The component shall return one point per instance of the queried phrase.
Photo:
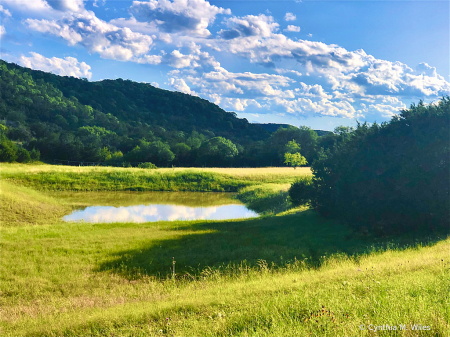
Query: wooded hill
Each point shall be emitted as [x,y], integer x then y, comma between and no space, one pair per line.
[120,120]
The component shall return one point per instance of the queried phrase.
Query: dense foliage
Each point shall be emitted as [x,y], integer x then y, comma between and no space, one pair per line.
[392,177]
[122,122]
[301,191]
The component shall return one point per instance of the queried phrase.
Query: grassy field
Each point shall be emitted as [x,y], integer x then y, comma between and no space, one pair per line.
[293,273]
[63,178]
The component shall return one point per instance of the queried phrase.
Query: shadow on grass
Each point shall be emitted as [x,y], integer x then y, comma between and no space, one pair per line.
[274,241]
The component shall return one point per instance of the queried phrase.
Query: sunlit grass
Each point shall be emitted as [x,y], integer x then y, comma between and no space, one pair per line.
[53,177]
[116,279]
[269,276]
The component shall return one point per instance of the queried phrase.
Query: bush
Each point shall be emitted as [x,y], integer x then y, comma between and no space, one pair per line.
[23,156]
[301,192]
[35,154]
[147,166]
[390,178]
[7,150]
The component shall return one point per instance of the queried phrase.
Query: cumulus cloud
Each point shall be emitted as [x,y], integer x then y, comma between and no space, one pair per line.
[188,16]
[67,5]
[322,107]
[425,69]
[339,80]
[395,78]
[288,71]
[194,58]
[150,59]
[179,85]
[245,85]
[315,90]
[68,66]
[249,26]
[290,17]
[96,35]
[38,6]
[256,38]
[2,31]
[292,28]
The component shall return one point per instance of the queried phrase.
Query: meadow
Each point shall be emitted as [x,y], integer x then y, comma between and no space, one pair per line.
[289,272]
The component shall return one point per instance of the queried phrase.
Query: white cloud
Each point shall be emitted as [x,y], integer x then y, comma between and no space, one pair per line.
[427,70]
[315,90]
[246,85]
[291,28]
[385,110]
[180,85]
[194,58]
[395,78]
[322,107]
[150,59]
[96,35]
[2,31]
[288,71]
[188,16]
[38,6]
[67,5]
[4,11]
[249,26]
[290,17]
[69,66]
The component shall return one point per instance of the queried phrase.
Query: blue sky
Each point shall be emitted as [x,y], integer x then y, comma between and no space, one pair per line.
[315,63]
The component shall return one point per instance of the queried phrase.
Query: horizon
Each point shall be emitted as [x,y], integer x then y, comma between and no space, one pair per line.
[297,63]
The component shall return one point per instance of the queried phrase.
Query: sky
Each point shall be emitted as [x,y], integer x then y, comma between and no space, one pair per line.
[316,63]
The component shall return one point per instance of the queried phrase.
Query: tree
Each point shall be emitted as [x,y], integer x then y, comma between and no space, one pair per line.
[389,178]
[217,151]
[294,159]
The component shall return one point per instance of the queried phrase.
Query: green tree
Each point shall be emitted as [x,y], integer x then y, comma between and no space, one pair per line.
[389,178]
[294,159]
[217,151]
[7,150]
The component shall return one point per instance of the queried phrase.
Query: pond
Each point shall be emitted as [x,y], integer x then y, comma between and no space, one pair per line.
[98,207]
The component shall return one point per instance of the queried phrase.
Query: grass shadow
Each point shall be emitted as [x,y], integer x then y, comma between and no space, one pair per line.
[233,246]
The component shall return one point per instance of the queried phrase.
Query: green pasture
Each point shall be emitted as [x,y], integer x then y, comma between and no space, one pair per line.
[289,273]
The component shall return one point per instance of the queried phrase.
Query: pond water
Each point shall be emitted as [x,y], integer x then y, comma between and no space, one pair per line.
[98,207]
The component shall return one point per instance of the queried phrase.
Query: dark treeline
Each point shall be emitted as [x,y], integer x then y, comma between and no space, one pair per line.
[388,178]
[117,121]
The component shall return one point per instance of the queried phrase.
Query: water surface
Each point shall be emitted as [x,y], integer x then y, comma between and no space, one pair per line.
[153,206]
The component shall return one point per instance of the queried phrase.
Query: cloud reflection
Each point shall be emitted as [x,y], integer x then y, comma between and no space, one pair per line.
[151,213]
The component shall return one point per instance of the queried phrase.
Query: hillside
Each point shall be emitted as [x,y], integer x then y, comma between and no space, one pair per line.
[128,101]
[122,122]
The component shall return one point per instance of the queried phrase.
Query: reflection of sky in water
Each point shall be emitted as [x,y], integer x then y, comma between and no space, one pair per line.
[145,213]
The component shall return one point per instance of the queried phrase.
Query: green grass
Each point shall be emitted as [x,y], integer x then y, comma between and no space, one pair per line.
[24,206]
[268,198]
[71,178]
[255,277]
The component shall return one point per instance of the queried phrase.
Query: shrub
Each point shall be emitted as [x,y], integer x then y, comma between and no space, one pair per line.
[35,154]
[390,178]
[301,192]
[7,150]
[23,156]
[147,166]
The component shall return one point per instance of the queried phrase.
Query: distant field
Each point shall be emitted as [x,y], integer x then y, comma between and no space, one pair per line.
[291,274]
[76,178]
